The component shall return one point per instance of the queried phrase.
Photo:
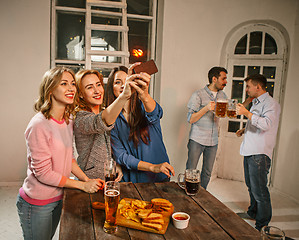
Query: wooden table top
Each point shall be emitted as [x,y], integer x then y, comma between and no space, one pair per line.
[209,218]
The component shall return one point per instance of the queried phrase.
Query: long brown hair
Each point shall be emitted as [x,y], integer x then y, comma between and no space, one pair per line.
[137,121]
[51,80]
[81,104]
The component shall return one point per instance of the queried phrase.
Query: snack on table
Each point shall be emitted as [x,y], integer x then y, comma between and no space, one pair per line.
[155,226]
[149,214]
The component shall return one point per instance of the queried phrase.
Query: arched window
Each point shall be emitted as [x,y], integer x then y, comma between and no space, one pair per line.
[255,48]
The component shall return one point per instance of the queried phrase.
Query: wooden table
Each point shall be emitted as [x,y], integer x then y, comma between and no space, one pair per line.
[210,219]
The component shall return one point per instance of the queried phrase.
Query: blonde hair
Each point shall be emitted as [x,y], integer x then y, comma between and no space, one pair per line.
[50,81]
[81,103]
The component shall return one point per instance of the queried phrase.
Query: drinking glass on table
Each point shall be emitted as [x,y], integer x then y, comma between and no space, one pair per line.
[110,170]
[272,233]
[220,109]
[112,193]
[190,182]
[231,111]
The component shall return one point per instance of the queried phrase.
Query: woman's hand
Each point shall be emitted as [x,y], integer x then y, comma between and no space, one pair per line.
[141,85]
[119,173]
[130,69]
[92,185]
[165,168]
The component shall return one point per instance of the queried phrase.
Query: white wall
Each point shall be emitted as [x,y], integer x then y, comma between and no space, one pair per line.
[286,170]
[193,37]
[25,56]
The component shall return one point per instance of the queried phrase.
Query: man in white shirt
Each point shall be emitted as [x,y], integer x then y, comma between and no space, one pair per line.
[257,146]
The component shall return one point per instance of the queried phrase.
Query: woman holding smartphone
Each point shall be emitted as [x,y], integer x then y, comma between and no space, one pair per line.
[49,137]
[137,141]
[93,122]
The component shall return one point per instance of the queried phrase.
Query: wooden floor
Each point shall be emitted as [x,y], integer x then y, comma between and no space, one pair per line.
[233,194]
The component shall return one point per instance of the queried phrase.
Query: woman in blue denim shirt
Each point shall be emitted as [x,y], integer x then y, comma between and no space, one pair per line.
[136,138]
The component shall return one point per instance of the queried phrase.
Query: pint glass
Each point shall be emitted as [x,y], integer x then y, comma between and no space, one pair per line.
[110,170]
[272,233]
[191,181]
[112,193]
[221,106]
[231,111]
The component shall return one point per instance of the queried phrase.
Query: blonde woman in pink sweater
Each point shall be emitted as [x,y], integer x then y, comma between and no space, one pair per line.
[49,138]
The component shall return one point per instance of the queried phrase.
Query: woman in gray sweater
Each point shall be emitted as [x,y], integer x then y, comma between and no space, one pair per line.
[93,123]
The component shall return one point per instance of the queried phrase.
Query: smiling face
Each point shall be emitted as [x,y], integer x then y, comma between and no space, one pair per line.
[118,83]
[65,92]
[92,90]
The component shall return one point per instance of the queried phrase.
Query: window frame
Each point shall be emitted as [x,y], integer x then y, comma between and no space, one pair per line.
[87,62]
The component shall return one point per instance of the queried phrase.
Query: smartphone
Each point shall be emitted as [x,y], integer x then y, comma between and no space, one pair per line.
[149,67]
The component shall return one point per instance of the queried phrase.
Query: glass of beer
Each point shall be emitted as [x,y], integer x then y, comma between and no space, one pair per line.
[221,106]
[112,193]
[271,233]
[110,170]
[231,111]
[190,182]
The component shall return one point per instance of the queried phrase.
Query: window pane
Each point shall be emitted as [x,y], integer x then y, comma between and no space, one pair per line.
[71,3]
[139,39]
[237,90]
[253,70]
[255,43]
[241,46]
[233,126]
[270,45]
[139,7]
[70,36]
[116,21]
[244,124]
[239,71]
[269,72]
[107,41]
[106,9]
[270,88]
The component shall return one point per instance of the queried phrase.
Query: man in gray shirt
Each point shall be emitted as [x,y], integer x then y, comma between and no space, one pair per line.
[203,137]
[257,146]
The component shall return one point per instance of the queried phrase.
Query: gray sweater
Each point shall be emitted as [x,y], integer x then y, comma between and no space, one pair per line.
[92,138]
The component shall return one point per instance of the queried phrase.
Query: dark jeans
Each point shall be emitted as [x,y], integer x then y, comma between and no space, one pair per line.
[256,169]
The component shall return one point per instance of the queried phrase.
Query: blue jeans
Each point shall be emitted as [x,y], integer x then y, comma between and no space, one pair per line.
[209,154]
[38,222]
[256,169]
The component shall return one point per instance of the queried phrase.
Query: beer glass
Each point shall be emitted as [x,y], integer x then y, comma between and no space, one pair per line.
[231,111]
[272,233]
[112,193]
[221,106]
[110,170]
[190,182]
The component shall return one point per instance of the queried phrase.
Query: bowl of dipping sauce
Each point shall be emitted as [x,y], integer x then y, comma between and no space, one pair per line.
[180,220]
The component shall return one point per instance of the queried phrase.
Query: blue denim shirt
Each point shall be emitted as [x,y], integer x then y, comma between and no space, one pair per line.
[125,153]
[205,130]
[261,130]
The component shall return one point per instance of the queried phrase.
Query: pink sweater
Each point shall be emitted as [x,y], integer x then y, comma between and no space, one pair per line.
[49,154]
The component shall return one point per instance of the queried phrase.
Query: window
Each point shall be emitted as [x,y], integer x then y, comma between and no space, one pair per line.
[102,34]
[254,49]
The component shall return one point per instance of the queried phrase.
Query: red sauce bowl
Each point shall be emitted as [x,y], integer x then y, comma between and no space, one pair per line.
[180,220]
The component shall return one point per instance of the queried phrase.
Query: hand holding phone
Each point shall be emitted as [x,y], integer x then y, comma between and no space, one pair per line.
[149,67]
